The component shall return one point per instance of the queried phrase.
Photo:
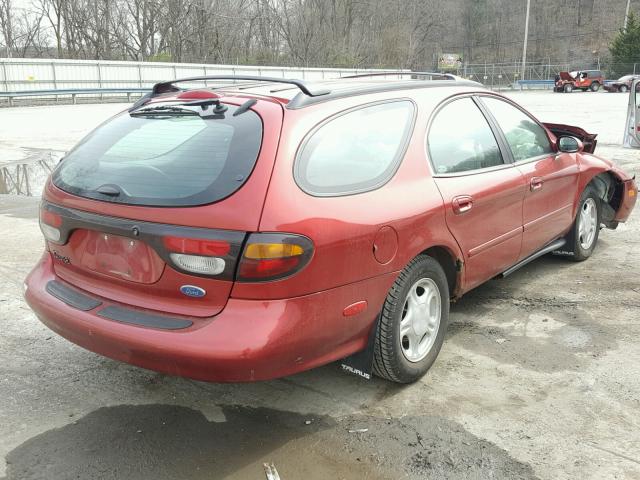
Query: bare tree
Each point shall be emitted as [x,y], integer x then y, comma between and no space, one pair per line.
[6,25]
[354,33]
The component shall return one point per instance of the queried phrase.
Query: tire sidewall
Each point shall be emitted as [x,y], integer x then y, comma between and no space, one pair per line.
[581,253]
[426,267]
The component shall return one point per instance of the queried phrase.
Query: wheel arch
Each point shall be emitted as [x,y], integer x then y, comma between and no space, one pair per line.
[452,266]
[610,190]
[608,181]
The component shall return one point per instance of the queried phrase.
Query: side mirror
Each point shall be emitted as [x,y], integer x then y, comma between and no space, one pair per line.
[570,145]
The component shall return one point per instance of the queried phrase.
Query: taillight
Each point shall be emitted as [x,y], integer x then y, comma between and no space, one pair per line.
[201,256]
[197,246]
[50,225]
[270,256]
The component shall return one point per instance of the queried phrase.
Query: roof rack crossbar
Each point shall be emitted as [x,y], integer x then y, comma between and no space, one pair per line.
[165,87]
[448,76]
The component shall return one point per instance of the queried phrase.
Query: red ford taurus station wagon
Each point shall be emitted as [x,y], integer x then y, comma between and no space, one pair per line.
[250,228]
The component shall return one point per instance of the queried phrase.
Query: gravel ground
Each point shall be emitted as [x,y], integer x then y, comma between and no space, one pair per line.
[538,376]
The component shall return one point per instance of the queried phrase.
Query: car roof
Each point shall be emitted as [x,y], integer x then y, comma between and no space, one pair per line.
[343,88]
[296,94]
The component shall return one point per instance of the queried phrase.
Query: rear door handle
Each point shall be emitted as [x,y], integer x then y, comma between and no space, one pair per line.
[536,183]
[462,204]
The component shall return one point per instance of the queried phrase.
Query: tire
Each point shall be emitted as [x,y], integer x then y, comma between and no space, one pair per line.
[404,359]
[623,89]
[582,239]
[595,86]
[568,88]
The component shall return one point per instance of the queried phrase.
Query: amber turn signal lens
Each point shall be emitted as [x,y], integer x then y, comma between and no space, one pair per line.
[259,251]
[271,256]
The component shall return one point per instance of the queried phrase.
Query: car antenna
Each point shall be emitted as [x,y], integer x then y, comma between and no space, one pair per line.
[245,106]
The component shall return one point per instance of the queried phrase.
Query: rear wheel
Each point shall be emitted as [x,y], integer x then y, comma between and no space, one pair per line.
[568,88]
[413,322]
[595,86]
[623,88]
[582,239]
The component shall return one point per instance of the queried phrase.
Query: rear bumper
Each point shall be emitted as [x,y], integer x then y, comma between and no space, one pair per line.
[249,340]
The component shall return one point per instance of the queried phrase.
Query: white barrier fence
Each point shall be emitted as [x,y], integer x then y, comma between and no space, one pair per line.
[20,74]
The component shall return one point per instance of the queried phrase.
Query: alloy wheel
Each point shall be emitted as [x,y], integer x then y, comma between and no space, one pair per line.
[588,223]
[420,319]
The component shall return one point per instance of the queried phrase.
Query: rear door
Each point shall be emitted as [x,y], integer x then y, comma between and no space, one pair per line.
[483,193]
[551,178]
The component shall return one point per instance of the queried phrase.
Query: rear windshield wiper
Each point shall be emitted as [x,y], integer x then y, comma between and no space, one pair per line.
[163,110]
[111,190]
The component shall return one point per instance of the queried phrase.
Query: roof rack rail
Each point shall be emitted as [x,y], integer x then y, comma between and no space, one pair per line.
[166,87]
[448,76]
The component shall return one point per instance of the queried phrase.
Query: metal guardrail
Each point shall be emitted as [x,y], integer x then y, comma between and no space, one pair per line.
[542,83]
[73,92]
[18,74]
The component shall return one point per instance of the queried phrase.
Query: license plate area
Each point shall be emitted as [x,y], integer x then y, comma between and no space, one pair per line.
[117,256]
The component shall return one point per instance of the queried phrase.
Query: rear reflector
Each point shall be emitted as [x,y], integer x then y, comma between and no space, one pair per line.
[199,264]
[271,256]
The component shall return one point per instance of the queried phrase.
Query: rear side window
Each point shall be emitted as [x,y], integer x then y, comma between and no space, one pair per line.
[164,159]
[525,137]
[461,140]
[355,151]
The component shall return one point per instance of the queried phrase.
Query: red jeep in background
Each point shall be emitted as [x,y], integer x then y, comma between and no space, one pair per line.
[583,80]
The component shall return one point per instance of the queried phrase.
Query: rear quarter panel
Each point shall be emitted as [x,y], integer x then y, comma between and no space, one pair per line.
[343,228]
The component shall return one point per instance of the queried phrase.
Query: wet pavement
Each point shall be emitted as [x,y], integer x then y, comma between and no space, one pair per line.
[538,376]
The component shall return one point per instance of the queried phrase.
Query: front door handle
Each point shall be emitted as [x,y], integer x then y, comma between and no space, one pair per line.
[462,204]
[536,183]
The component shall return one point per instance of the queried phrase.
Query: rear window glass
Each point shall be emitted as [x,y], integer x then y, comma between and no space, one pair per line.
[355,151]
[164,160]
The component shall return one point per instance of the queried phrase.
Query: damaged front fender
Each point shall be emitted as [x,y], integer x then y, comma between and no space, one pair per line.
[615,187]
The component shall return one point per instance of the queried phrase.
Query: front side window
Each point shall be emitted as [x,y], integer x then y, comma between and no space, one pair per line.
[461,140]
[525,137]
[356,151]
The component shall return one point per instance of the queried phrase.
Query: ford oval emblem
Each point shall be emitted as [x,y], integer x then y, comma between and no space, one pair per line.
[193,291]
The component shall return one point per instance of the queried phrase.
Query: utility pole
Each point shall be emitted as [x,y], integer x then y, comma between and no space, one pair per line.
[526,38]
[626,15]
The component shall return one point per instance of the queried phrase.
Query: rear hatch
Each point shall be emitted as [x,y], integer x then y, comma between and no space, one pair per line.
[153,207]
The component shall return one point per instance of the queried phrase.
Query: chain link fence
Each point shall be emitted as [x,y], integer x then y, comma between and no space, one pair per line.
[506,75]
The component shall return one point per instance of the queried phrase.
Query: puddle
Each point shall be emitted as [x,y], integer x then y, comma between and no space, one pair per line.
[28,175]
[165,442]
